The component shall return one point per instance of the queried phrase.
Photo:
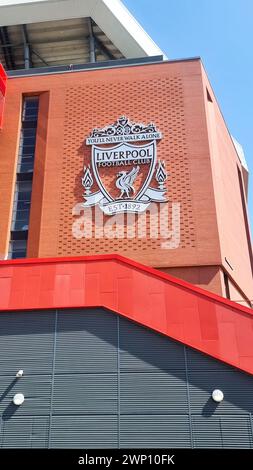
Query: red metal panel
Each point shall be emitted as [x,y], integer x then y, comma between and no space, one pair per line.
[3,80]
[197,318]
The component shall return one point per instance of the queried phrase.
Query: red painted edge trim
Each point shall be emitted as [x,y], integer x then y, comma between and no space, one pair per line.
[135,264]
[3,80]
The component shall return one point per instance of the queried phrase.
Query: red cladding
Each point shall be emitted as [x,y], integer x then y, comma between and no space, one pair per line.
[3,80]
[186,313]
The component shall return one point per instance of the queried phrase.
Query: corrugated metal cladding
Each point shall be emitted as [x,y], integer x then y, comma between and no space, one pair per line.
[93,379]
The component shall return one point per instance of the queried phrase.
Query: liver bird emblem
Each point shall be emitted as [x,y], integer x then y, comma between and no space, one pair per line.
[125,181]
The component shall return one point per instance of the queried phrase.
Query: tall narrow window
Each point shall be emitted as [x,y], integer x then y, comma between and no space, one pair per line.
[23,189]
[226,283]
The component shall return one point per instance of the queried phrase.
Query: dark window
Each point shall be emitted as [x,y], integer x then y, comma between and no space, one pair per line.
[23,189]
[208,96]
[226,282]
[17,249]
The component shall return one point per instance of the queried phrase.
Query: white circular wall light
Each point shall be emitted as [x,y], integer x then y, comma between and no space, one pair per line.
[18,399]
[217,395]
[20,373]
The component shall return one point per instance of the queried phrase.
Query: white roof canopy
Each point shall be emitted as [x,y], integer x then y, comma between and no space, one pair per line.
[111,17]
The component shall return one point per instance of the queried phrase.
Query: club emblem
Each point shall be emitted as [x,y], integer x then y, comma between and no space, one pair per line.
[124,168]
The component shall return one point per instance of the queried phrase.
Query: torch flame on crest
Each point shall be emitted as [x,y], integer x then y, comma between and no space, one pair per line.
[87,180]
[161,174]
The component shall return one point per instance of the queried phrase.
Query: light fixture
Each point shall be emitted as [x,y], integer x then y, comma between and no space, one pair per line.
[18,399]
[217,395]
[20,373]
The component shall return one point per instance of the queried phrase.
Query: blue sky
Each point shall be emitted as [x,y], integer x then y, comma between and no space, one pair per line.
[221,33]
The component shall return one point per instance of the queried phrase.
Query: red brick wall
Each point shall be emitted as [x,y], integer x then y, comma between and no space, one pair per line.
[234,245]
[143,94]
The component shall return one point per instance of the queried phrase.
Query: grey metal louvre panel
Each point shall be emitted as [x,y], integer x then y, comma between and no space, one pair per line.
[25,432]
[236,386]
[85,394]
[143,349]
[155,431]
[222,432]
[37,393]
[153,393]
[198,361]
[26,342]
[86,432]
[86,341]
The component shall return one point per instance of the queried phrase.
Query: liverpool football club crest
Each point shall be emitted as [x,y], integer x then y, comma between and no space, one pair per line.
[124,174]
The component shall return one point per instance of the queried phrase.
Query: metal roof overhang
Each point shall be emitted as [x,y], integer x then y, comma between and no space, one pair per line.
[186,313]
[54,43]
[111,16]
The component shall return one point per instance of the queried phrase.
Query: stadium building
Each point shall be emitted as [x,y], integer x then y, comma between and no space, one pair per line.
[126,265]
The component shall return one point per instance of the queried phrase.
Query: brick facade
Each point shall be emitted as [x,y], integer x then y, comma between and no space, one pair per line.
[173,96]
